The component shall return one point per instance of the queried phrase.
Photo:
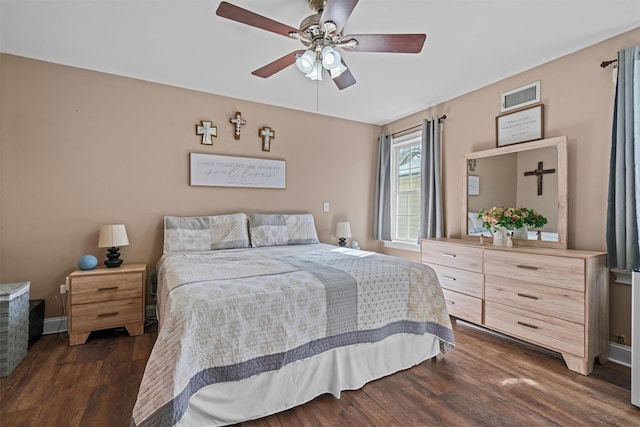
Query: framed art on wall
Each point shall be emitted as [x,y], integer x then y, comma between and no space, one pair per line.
[523,125]
[228,171]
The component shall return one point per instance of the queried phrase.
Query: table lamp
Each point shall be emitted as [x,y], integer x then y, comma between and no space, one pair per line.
[111,237]
[343,230]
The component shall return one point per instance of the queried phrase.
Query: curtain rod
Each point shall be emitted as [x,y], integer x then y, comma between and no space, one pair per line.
[605,64]
[443,117]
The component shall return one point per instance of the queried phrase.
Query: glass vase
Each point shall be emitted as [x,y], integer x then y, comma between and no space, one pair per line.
[521,233]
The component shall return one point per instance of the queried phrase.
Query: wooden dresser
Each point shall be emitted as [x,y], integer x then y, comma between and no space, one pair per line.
[554,298]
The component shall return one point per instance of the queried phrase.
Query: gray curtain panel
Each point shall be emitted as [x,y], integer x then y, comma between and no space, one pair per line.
[431,181]
[623,208]
[382,213]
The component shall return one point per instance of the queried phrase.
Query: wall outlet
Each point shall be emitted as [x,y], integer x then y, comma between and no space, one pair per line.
[63,288]
[325,207]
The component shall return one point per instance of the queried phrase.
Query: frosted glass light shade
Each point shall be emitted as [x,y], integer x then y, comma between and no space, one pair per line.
[339,69]
[330,58]
[112,236]
[306,61]
[343,229]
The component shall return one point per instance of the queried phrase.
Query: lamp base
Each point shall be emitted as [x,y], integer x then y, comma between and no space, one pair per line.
[113,258]
[342,241]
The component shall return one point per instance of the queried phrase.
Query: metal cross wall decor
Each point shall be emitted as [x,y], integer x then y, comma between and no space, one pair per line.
[539,173]
[238,121]
[267,134]
[207,131]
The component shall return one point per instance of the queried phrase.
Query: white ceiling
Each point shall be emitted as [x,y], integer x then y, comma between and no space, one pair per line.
[470,44]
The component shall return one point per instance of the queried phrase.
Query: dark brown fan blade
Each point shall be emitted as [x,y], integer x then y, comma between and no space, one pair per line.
[235,13]
[277,65]
[345,79]
[398,43]
[338,11]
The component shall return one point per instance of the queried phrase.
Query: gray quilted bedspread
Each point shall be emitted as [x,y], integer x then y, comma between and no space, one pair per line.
[232,314]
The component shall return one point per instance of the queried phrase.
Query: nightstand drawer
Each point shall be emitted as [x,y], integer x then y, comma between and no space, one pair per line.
[452,255]
[555,302]
[463,281]
[553,333]
[91,289]
[103,315]
[463,306]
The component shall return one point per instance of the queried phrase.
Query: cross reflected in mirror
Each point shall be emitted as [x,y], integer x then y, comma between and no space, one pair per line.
[539,173]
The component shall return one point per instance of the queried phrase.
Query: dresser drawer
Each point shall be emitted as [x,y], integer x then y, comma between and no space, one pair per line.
[451,255]
[556,334]
[463,306]
[90,317]
[555,302]
[548,270]
[463,281]
[98,288]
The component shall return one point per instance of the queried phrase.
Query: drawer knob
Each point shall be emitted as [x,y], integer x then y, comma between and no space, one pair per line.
[527,267]
[115,313]
[450,302]
[527,325]
[448,255]
[527,296]
[110,288]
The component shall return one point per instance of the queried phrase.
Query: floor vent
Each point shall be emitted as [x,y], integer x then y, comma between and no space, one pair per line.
[525,95]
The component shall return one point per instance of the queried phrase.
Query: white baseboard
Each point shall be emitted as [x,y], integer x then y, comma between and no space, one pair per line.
[54,325]
[620,354]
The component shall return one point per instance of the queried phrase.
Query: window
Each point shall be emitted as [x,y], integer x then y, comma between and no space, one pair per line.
[406,153]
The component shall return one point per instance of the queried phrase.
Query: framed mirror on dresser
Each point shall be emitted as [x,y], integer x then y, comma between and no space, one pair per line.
[532,175]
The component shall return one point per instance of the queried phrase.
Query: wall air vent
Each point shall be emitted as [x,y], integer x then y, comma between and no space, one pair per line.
[516,98]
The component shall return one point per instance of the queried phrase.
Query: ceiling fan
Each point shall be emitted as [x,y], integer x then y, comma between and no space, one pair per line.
[321,33]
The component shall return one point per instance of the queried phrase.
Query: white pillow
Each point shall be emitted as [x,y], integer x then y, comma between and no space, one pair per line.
[282,229]
[204,233]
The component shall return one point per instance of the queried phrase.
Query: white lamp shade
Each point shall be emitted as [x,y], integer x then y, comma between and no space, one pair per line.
[335,72]
[343,229]
[316,72]
[330,58]
[306,61]
[112,236]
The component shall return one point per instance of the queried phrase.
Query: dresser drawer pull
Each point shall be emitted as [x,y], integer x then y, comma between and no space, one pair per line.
[527,267]
[448,277]
[115,313]
[110,288]
[450,302]
[527,325]
[449,255]
[527,296]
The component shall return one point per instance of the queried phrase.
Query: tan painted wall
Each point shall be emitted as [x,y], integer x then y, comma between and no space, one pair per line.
[82,149]
[578,97]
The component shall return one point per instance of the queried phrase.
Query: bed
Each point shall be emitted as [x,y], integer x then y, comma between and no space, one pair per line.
[256,316]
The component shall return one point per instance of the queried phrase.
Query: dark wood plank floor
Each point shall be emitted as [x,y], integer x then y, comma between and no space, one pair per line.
[484,381]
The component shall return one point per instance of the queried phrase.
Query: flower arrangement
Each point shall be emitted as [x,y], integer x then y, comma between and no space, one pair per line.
[511,218]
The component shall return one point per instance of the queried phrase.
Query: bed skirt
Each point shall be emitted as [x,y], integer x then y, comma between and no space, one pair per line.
[343,368]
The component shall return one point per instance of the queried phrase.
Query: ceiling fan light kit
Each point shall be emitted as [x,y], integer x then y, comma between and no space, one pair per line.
[321,33]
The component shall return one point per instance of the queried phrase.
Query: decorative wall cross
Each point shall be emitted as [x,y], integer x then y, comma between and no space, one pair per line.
[267,134]
[539,173]
[207,131]
[238,121]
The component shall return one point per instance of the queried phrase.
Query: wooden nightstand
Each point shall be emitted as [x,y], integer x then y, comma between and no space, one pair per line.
[105,298]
